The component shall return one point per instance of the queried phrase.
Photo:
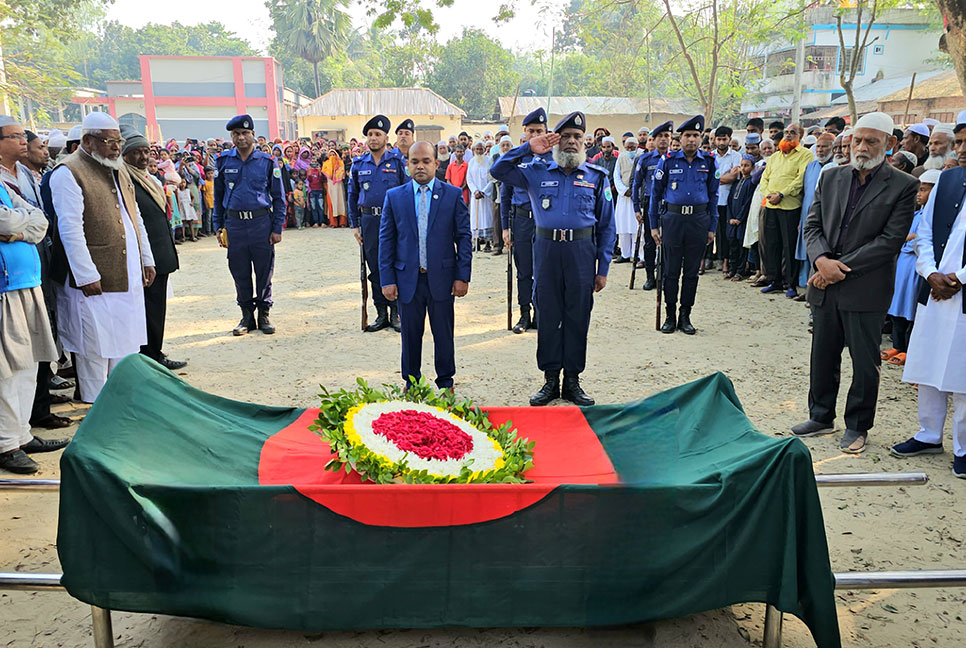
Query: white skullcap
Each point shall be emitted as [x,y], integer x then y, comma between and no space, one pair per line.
[943,128]
[847,133]
[506,138]
[909,156]
[877,121]
[929,121]
[442,143]
[99,121]
[930,177]
[643,128]
[609,139]
[485,133]
[961,117]
[502,128]
[920,129]
[809,139]
[56,139]
[74,134]
[7,120]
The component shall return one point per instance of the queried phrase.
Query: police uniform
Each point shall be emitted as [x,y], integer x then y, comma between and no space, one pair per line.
[250,207]
[406,124]
[573,217]
[517,216]
[368,184]
[684,199]
[641,198]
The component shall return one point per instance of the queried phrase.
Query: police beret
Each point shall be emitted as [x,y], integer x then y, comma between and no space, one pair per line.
[696,123]
[666,127]
[723,131]
[538,116]
[241,121]
[379,121]
[575,119]
[406,124]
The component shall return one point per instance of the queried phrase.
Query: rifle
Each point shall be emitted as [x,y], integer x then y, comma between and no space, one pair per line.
[660,283]
[635,257]
[365,286]
[509,274]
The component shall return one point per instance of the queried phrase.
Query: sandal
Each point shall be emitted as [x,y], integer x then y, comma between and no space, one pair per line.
[898,359]
[59,399]
[889,354]
[52,422]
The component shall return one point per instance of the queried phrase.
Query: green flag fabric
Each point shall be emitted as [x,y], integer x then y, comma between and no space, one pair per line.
[175,501]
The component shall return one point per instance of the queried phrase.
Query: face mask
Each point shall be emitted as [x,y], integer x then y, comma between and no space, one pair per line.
[632,154]
[889,152]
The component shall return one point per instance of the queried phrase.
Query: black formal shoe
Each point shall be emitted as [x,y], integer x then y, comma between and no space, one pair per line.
[684,321]
[264,325]
[382,320]
[550,390]
[37,444]
[524,323]
[572,391]
[621,259]
[18,462]
[394,318]
[670,322]
[651,283]
[497,251]
[246,324]
[51,422]
[173,365]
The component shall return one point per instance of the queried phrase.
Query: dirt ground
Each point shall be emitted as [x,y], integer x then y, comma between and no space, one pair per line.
[761,343]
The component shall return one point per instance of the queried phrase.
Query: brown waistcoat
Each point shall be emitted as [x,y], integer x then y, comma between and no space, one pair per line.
[103,227]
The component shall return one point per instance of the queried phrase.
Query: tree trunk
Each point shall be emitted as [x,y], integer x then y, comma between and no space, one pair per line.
[318,86]
[953,42]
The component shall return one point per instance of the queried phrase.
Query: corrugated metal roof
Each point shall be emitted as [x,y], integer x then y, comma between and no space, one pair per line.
[885,87]
[945,84]
[839,110]
[373,101]
[598,105]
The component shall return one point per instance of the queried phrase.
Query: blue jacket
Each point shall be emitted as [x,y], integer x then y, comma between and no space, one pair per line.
[249,185]
[449,243]
[19,261]
[679,182]
[369,182]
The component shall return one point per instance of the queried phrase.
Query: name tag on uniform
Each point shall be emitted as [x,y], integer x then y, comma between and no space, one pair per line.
[388,169]
[702,169]
[231,170]
[651,167]
[584,183]
[675,171]
[365,172]
[549,183]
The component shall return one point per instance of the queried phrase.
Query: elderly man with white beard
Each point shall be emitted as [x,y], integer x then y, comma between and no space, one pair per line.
[443,154]
[104,247]
[480,185]
[941,145]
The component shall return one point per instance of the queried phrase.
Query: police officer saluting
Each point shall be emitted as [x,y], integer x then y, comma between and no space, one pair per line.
[372,175]
[641,192]
[684,199]
[515,212]
[248,215]
[573,215]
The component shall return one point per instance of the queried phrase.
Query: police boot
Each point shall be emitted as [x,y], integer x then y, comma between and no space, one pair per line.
[382,319]
[671,322]
[650,284]
[264,325]
[549,391]
[573,392]
[684,321]
[524,322]
[246,324]
[394,318]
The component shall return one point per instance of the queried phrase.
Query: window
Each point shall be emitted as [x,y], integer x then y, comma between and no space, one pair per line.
[845,62]
[820,58]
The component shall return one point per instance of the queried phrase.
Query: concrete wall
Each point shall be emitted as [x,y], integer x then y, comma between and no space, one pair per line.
[349,126]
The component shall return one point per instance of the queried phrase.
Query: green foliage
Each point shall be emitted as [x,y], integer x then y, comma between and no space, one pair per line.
[518,453]
[472,71]
[312,30]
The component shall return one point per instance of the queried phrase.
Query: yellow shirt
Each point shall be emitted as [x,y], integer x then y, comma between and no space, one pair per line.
[784,174]
[208,191]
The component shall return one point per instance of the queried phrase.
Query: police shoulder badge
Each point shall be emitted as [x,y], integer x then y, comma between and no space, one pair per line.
[277,172]
[659,174]
[717,174]
[607,194]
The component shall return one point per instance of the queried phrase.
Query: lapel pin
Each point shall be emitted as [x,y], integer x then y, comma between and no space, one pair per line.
[435,196]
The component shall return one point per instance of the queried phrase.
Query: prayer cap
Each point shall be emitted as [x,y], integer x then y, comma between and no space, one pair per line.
[644,129]
[241,121]
[628,134]
[538,116]
[920,129]
[609,139]
[943,128]
[696,123]
[752,138]
[132,139]
[406,124]
[379,122]
[7,120]
[56,139]
[99,121]
[876,121]
[666,127]
[909,156]
[573,120]
[929,121]
[750,158]
[442,143]
[502,128]
[930,177]
[722,131]
[74,134]
[809,140]
[960,121]
[506,138]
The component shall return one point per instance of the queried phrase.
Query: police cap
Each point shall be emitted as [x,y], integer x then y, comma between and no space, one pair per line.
[538,116]
[575,119]
[723,131]
[241,121]
[380,122]
[666,127]
[696,123]
[406,124]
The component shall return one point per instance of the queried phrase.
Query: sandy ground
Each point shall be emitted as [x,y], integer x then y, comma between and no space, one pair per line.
[760,342]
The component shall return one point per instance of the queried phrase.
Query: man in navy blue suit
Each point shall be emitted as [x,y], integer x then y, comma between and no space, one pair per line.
[425,250]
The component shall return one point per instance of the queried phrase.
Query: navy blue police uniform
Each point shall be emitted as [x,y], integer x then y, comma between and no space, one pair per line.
[406,124]
[641,198]
[684,199]
[368,184]
[517,216]
[250,206]
[573,218]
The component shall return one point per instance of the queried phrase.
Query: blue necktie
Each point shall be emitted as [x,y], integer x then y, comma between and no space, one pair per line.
[422,222]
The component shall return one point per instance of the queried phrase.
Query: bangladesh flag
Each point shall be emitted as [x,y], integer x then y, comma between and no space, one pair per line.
[179,502]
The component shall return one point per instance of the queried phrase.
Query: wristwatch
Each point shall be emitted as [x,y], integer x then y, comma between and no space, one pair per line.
[781,195]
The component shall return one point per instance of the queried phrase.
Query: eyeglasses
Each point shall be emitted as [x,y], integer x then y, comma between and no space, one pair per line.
[17,136]
[110,142]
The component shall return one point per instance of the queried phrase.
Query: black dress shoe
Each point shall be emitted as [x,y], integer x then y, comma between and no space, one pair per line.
[173,365]
[44,445]
[52,422]
[524,323]
[621,260]
[670,322]
[394,318]
[684,321]
[246,323]
[18,462]
[651,283]
[264,325]
[382,320]
[550,390]
[573,392]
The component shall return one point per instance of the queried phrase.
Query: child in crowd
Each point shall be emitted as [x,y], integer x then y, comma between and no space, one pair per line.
[188,216]
[208,199]
[298,197]
[171,182]
[903,307]
[739,202]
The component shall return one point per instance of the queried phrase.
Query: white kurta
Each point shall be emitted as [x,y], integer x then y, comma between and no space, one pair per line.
[624,217]
[937,349]
[481,209]
[109,325]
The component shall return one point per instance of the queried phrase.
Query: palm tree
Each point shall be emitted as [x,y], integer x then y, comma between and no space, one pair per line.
[311,29]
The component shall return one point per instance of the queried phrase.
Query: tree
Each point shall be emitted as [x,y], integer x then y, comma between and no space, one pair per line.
[312,29]
[953,40]
[849,67]
[472,71]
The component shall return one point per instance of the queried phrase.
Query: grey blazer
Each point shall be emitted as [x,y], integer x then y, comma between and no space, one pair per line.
[877,231]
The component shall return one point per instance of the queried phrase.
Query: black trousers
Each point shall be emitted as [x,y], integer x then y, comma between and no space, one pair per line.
[41,407]
[781,229]
[650,247]
[722,249]
[370,242]
[835,329]
[155,310]
[901,332]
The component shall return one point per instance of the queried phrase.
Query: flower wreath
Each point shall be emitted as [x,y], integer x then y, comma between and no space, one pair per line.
[418,436]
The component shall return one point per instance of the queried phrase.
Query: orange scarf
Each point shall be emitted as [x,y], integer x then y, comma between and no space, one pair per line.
[334,168]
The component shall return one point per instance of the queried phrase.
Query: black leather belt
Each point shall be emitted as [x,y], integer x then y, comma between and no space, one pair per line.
[248,215]
[686,210]
[371,211]
[563,235]
[523,210]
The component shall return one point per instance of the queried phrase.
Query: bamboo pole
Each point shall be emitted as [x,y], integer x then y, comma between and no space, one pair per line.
[912,86]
